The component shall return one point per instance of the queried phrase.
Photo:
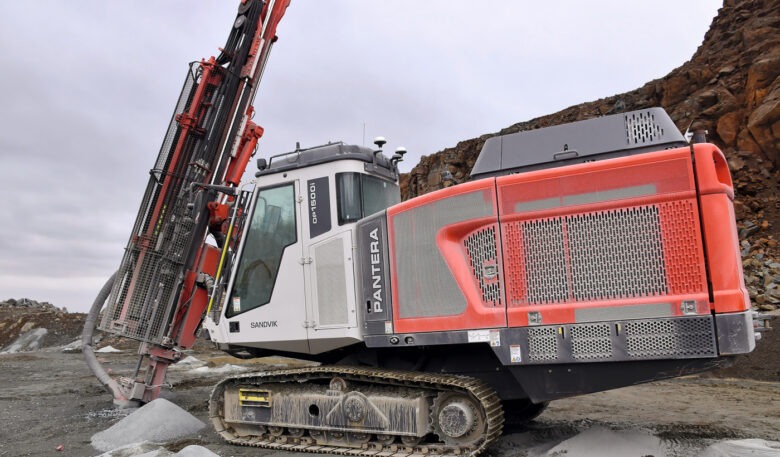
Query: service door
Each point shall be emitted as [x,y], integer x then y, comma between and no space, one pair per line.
[332,286]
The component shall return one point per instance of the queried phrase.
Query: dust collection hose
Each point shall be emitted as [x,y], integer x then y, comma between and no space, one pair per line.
[113,387]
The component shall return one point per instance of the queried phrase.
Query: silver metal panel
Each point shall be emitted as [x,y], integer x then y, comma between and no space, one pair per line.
[609,195]
[615,313]
[538,205]
[587,198]
[331,283]
[426,287]
[606,137]
[735,333]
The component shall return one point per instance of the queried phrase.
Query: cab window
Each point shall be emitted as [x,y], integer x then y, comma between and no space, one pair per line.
[271,229]
[360,195]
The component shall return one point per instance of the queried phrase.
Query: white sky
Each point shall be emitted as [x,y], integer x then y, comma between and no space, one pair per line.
[89,88]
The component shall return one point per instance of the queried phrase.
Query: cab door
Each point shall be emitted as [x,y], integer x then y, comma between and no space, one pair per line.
[267,303]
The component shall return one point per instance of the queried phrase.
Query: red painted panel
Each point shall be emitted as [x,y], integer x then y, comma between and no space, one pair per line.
[450,239]
[569,231]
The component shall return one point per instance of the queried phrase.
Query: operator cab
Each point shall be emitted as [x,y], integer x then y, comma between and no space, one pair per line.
[291,285]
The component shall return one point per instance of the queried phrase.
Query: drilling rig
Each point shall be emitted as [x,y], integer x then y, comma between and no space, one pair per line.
[578,258]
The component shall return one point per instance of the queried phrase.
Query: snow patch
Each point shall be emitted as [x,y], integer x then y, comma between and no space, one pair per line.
[602,442]
[72,348]
[159,421]
[224,369]
[143,449]
[195,451]
[108,349]
[187,363]
[740,448]
[29,341]
[147,449]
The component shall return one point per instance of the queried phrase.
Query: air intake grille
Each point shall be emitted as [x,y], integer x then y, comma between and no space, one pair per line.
[633,252]
[331,283]
[616,254]
[682,247]
[691,337]
[641,128]
[542,344]
[483,259]
[545,264]
[591,341]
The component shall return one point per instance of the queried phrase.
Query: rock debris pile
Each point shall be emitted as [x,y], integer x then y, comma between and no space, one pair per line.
[36,324]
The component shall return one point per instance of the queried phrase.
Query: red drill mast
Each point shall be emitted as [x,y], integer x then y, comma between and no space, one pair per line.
[160,292]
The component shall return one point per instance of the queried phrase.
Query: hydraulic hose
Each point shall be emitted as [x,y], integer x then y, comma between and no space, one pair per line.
[113,387]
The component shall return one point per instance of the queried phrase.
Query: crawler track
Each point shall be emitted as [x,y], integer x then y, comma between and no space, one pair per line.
[301,441]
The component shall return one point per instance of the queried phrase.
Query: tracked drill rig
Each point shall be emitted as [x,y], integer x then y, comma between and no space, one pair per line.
[578,258]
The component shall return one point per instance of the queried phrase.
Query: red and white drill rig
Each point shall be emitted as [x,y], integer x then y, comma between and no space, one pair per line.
[578,258]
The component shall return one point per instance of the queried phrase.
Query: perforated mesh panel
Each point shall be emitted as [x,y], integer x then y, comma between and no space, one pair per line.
[545,261]
[331,283]
[641,127]
[639,251]
[646,339]
[591,341]
[685,270]
[425,284]
[514,253]
[690,337]
[482,253]
[616,254]
[140,303]
[542,344]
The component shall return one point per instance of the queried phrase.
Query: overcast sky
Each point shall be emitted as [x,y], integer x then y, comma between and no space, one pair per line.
[88,88]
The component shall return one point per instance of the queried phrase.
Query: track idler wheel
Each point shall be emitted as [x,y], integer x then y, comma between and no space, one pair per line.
[458,419]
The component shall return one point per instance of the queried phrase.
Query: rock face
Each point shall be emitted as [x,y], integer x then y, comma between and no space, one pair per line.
[731,89]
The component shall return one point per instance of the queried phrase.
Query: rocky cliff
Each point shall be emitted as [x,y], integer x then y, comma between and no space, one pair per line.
[731,88]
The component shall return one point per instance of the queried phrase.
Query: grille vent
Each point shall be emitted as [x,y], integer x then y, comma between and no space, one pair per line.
[682,247]
[542,344]
[693,337]
[646,339]
[481,248]
[600,255]
[641,128]
[591,342]
[545,264]
[616,254]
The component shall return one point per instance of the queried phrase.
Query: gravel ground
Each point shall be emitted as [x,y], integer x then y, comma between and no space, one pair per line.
[48,399]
